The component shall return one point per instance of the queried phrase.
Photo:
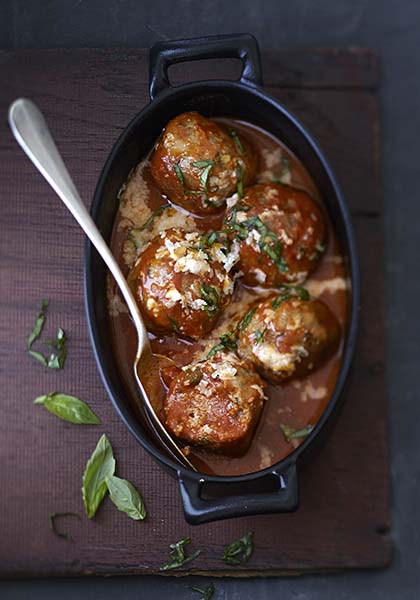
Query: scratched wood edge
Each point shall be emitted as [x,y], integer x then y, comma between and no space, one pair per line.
[217,573]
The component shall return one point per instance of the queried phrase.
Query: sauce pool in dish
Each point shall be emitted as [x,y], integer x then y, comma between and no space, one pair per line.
[294,405]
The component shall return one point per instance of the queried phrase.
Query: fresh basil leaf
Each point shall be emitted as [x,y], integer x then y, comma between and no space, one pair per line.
[126,498]
[52,520]
[177,554]
[206,593]
[290,434]
[239,551]
[39,324]
[100,465]
[68,408]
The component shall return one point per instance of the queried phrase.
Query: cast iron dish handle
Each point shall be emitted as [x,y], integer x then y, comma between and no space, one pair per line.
[202,510]
[165,54]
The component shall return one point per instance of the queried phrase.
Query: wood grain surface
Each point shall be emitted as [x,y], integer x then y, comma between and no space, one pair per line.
[88,96]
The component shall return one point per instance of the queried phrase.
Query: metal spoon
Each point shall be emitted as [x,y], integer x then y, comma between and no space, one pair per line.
[32,134]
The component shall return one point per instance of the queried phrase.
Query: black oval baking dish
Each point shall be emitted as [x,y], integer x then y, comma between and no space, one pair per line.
[275,489]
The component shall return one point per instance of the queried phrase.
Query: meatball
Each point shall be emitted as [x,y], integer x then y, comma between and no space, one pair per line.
[281,232]
[181,281]
[198,163]
[215,403]
[288,337]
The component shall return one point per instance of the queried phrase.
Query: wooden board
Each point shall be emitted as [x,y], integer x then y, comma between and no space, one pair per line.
[88,96]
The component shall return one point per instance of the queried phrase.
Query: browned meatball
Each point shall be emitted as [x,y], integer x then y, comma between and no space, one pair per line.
[215,403]
[288,337]
[181,282]
[281,232]
[198,163]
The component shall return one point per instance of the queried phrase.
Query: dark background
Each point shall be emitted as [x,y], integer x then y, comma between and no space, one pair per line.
[393,28]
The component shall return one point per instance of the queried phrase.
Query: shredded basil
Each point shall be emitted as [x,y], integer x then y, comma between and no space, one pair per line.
[207,166]
[290,434]
[52,517]
[268,242]
[210,295]
[240,179]
[179,174]
[174,325]
[58,356]
[259,335]
[206,593]
[243,323]
[234,135]
[290,291]
[177,555]
[156,213]
[239,551]
[229,340]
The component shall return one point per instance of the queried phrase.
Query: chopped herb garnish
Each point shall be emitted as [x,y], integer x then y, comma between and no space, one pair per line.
[290,434]
[52,518]
[239,551]
[227,342]
[234,134]
[206,593]
[268,241]
[179,174]
[280,299]
[177,554]
[58,356]
[240,179]
[156,213]
[245,321]
[39,324]
[290,291]
[259,335]
[208,239]
[206,165]
[211,297]
[174,325]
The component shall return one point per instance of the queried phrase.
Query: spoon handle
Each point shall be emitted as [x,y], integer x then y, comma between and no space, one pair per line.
[32,134]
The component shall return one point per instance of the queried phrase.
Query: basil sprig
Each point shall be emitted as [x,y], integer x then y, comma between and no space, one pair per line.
[239,551]
[68,408]
[126,498]
[100,465]
[178,556]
